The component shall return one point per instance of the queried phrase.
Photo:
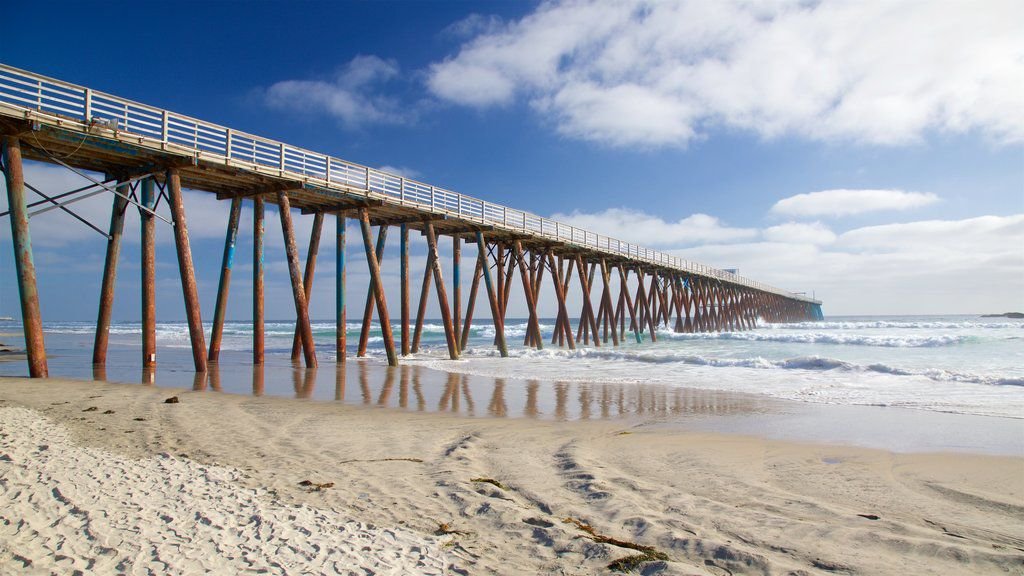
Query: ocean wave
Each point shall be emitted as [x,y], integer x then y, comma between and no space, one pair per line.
[807,363]
[517,330]
[824,338]
[886,324]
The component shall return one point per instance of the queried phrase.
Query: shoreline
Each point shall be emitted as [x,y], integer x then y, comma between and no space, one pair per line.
[710,502]
[423,388]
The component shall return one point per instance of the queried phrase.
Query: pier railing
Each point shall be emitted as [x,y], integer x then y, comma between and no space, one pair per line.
[36,97]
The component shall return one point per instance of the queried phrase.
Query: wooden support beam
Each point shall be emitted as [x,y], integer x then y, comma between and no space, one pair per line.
[31,318]
[188,277]
[563,316]
[652,298]
[686,296]
[563,329]
[474,288]
[533,323]
[442,295]
[698,304]
[307,278]
[587,318]
[343,206]
[457,288]
[500,272]
[677,301]
[403,254]
[148,257]
[340,320]
[558,335]
[621,315]
[378,286]
[645,306]
[537,267]
[268,187]
[666,310]
[412,219]
[624,292]
[588,310]
[298,290]
[258,214]
[99,348]
[227,260]
[364,332]
[507,290]
[421,310]
[528,334]
[492,297]
[607,301]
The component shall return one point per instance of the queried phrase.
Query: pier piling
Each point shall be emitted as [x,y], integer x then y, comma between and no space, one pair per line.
[258,215]
[99,349]
[188,276]
[298,290]
[377,285]
[148,225]
[307,278]
[31,318]
[219,310]
[340,326]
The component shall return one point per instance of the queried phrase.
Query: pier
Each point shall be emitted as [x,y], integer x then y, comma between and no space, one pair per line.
[149,155]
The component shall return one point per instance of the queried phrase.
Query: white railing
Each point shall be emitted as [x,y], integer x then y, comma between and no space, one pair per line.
[28,95]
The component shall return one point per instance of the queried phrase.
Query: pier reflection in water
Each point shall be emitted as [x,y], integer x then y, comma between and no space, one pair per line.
[413,387]
[416,388]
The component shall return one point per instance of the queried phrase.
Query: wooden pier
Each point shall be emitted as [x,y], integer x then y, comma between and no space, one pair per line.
[148,155]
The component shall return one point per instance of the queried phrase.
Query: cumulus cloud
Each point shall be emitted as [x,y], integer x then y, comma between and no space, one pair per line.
[648,230]
[662,73]
[353,96]
[843,202]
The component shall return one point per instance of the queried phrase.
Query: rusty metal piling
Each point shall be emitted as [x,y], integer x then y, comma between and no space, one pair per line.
[31,319]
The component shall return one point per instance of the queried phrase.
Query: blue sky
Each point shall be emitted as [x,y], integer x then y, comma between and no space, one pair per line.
[871,153]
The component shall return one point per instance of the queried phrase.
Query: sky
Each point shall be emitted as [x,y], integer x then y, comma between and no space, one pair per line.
[868,153]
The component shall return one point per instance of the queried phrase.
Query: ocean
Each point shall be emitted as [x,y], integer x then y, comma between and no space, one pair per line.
[958,364]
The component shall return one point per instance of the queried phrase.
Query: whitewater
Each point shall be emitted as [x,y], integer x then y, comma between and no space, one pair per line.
[960,364]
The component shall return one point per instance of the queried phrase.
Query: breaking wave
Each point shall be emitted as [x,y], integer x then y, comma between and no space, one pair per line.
[808,363]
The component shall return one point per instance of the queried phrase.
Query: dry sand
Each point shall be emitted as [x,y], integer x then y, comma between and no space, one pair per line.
[212,484]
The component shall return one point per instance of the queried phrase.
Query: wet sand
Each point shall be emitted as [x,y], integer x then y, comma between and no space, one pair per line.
[423,492]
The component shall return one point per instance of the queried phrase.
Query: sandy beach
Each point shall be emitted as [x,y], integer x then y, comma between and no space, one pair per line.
[108,478]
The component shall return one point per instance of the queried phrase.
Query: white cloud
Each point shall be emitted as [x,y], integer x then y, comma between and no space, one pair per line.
[351,96]
[982,236]
[842,202]
[924,267]
[931,267]
[403,171]
[647,230]
[659,73]
[800,233]
[473,25]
